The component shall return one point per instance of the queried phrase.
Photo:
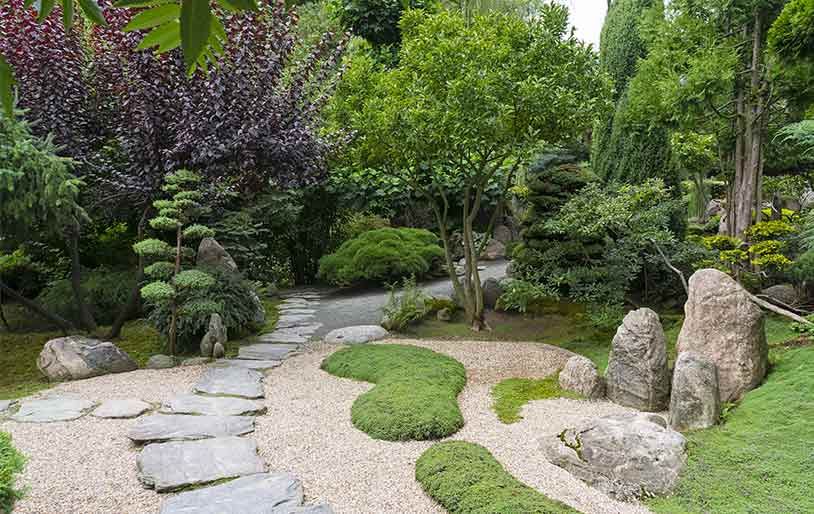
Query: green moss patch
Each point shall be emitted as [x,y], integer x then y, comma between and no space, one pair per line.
[11,464]
[512,394]
[760,459]
[416,393]
[465,479]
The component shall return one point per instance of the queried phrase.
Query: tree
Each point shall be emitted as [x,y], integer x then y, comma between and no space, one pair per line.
[470,99]
[38,196]
[175,215]
[695,156]
[792,35]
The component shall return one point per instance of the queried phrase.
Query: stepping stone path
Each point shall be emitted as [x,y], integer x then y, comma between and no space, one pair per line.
[182,427]
[208,406]
[119,409]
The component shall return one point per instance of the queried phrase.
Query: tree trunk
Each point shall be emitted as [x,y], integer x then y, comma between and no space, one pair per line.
[173,336]
[85,315]
[64,325]
[135,294]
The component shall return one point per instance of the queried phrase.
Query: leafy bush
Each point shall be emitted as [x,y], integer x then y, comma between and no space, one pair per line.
[520,295]
[383,255]
[416,391]
[409,306]
[229,295]
[375,20]
[12,463]
[105,291]
[466,479]
[357,223]
[22,273]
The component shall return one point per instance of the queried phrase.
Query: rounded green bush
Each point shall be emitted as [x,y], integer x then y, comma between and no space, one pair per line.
[383,255]
[466,479]
[416,391]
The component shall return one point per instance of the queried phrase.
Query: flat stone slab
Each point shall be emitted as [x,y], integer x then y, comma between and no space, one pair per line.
[304,509]
[212,406]
[250,364]
[6,405]
[173,465]
[297,311]
[52,409]
[119,409]
[282,337]
[196,361]
[267,351]
[181,427]
[296,320]
[263,493]
[355,335]
[231,381]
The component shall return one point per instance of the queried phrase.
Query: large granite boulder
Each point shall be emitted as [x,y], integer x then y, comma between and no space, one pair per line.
[785,293]
[160,361]
[581,376]
[492,290]
[694,401]
[212,255]
[722,323]
[627,457]
[494,250]
[637,374]
[76,357]
[215,336]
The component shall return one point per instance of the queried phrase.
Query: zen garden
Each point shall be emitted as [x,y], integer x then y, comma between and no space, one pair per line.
[406,257]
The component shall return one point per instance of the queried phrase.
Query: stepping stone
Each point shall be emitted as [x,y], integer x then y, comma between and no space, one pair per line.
[293,320]
[119,409]
[306,295]
[304,509]
[273,352]
[52,409]
[180,427]
[6,405]
[355,335]
[263,493]
[212,406]
[231,381]
[282,337]
[297,311]
[196,361]
[250,364]
[173,465]
[298,331]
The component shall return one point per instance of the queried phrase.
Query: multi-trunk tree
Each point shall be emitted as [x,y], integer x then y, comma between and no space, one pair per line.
[471,98]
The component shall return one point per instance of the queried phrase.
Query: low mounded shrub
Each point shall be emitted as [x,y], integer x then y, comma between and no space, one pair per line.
[231,296]
[416,393]
[405,308]
[356,224]
[105,291]
[384,255]
[466,479]
[12,463]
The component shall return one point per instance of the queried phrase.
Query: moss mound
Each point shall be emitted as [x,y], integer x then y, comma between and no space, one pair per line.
[384,255]
[512,394]
[465,479]
[416,391]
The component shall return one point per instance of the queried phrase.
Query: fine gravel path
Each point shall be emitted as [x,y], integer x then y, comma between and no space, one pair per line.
[339,308]
[89,466]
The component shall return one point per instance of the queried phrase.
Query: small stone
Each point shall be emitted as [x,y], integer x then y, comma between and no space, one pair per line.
[6,405]
[180,427]
[52,409]
[356,334]
[218,351]
[259,311]
[231,381]
[212,406]
[196,361]
[581,376]
[178,464]
[444,314]
[76,357]
[254,494]
[121,409]
[160,362]
[694,401]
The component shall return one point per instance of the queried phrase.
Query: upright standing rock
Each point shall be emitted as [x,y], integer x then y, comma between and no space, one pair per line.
[214,337]
[722,323]
[637,374]
[694,401]
[211,254]
[581,376]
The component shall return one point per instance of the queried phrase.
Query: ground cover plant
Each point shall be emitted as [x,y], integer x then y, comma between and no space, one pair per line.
[466,479]
[759,459]
[512,394]
[416,391]
[12,463]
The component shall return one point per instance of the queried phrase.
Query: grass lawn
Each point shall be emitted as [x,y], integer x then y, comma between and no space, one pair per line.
[512,394]
[761,460]
[466,479]
[416,393]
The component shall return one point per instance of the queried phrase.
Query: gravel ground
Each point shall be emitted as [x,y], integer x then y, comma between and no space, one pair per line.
[88,466]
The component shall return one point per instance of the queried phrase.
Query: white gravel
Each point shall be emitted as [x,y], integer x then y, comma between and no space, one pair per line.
[88,466]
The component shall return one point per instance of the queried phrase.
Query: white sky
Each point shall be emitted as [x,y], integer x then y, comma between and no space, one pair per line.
[587,16]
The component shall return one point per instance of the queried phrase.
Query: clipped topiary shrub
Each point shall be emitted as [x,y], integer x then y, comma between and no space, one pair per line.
[416,391]
[384,255]
[105,291]
[12,463]
[466,479]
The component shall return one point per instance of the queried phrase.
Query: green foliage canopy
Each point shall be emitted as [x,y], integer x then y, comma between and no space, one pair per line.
[792,34]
